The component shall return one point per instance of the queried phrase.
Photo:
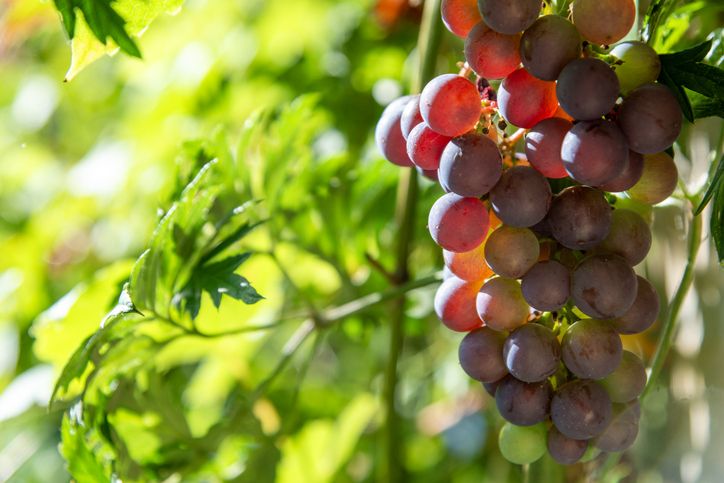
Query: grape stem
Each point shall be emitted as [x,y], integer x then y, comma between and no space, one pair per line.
[407,191]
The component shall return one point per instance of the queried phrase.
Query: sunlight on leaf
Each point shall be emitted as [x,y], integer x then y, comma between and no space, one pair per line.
[86,48]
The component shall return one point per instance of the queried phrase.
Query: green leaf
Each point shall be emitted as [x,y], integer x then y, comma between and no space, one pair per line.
[116,324]
[684,69]
[716,223]
[706,106]
[81,459]
[104,26]
[219,279]
[714,186]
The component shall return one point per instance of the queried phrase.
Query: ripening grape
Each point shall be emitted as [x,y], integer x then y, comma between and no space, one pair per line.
[511,251]
[481,355]
[522,445]
[627,382]
[548,45]
[642,313]
[587,89]
[470,165]
[580,217]
[524,100]
[468,266]
[460,16]
[546,286]
[425,146]
[627,178]
[490,54]
[650,118]
[521,197]
[458,224]
[509,16]
[411,116]
[500,304]
[455,304]
[532,353]
[523,403]
[622,431]
[603,22]
[641,64]
[603,286]
[388,134]
[543,146]
[591,349]
[450,104]
[430,174]
[563,449]
[581,409]
[629,237]
[594,152]
[658,179]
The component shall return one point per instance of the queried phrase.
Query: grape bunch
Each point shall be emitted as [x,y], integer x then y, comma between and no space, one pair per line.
[540,227]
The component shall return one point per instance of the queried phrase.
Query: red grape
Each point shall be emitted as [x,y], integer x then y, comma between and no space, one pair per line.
[490,54]
[458,224]
[524,100]
[450,104]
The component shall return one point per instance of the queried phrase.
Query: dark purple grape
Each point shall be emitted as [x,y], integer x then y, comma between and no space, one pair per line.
[481,355]
[650,118]
[532,353]
[629,237]
[627,382]
[458,224]
[591,349]
[627,178]
[603,286]
[548,45]
[622,430]
[470,165]
[580,217]
[594,152]
[522,403]
[450,104]
[510,251]
[509,16]
[642,313]
[547,286]
[411,116]
[543,146]
[563,449]
[587,89]
[521,197]
[425,147]
[388,134]
[581,409]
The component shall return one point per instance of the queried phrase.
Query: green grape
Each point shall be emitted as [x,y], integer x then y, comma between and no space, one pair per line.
[522,444]
[640,66]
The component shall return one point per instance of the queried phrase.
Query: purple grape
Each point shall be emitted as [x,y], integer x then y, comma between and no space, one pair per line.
[587,89]
[521,197]
[470,165]
[591,349]
[522,403]
[547,286]
[650,118]
[581,409]
[594,152]
[388,134]
[642,313]
[580,217]
[532,353]
[481,355]
[603,286]
[563,449]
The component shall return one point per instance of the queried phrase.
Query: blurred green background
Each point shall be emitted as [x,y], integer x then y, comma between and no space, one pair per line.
[86,165]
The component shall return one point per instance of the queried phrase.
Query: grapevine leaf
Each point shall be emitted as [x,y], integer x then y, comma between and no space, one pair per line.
[104,26]
[115,324]
[685,69]
[706,106]
[81,459]
[714,186]
[102,19]
[219,279]
[716,224]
